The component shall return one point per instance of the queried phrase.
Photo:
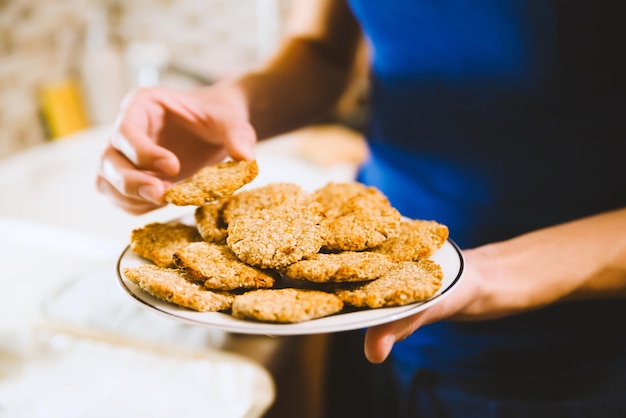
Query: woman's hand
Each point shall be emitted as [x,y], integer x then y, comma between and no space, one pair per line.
[164,135]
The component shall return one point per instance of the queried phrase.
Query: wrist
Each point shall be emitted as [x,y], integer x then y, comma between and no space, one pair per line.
[478,284]
[225,96]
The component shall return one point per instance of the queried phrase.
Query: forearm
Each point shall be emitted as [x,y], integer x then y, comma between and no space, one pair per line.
[299,88]
[308,73]
[583,259]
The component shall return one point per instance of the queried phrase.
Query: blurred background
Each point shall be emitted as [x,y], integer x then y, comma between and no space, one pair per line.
[69,338]
[65,64]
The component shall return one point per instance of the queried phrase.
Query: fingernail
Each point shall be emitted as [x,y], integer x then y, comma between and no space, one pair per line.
[148,193]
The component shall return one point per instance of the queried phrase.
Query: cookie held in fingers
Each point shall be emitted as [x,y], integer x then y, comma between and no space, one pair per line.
[171,285]
[158,242]
[212,183]
[407,282]
[276,237]
[347,266]
[217,268]
[416,239]
[287,305]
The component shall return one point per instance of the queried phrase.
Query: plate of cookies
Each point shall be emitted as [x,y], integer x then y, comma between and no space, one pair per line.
[279,260]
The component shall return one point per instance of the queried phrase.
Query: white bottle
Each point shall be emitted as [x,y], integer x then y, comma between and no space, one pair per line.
[146,62]
[101,71]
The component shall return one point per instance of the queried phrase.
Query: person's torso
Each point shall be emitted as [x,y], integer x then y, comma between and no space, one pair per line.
[498,117]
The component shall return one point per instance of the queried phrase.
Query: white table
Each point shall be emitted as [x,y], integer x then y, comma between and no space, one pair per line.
[64,322]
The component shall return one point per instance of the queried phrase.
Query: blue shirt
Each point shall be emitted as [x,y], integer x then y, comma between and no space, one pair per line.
[499,117]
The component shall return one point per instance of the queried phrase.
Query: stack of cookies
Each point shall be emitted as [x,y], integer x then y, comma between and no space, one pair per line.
[280,254]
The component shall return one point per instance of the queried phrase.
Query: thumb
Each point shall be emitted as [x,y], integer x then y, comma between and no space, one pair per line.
[239,140]
[379,340]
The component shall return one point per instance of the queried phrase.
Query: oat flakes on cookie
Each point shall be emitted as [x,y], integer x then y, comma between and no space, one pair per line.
[216,267]
[264,197]
[212,183]
[159,241]
[347,266]
[171,285]
[363,221]
[332,195]
[407,282]
[276,237]
[416,239]
[287,305]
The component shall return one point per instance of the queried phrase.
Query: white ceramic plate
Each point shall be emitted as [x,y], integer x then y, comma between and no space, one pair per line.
[449,256]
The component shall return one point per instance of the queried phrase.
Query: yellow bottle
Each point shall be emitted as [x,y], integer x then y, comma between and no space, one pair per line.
[62,108]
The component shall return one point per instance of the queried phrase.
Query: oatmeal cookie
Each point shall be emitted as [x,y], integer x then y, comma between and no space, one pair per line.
[276,237]
[332,195]
[159,241]
[416,239]
[210,223]
[265,197]
[407,282]
[217,268]
[347,266]
[171,285]
[363,221]
[212,183]
[285,305]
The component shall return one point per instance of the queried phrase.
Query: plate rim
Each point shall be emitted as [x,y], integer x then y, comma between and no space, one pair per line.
[276,329]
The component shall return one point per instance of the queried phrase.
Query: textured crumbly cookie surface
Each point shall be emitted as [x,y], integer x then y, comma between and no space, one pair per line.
[265,197]
[332,195]
[416,239]
[212,183]
[285,305]
[210,223]
[159,241]
[276,237]
[171,285]
[216,267]
[348,266]
[363,221]
[407,282]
